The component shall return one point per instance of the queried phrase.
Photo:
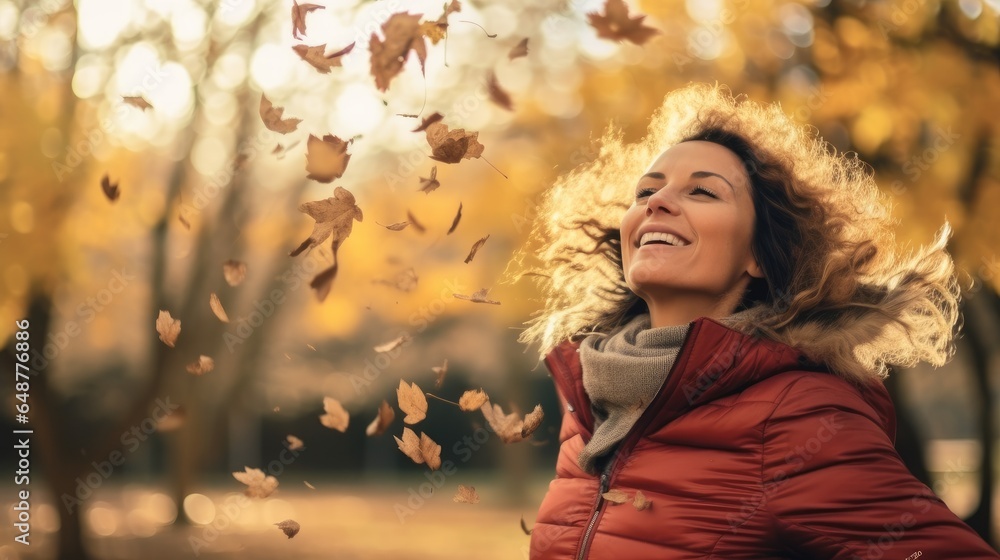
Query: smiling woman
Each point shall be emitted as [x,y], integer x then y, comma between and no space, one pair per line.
[718,334]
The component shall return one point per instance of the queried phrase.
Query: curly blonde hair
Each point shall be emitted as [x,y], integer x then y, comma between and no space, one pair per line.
[836,285]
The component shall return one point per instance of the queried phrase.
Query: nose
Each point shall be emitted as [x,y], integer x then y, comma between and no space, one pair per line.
[661,200]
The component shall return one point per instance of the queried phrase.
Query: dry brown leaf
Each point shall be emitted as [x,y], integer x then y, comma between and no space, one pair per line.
[431,183]
[615,496]
[524,526]
[317,58]
[497,94]
[137,101]
[309,486]
[323,281]
[466,495]
[519,50]
[294,442]
[289,527]
[216,305]
[615,24]
[202,366]
[398,226]
[271,116]
[110,190]
[510,427]
[386,414]
[532,420]
[402,34]
[410,445]
[334,217]
[475,247]
[473,400]
[454,222]
[234,271]
[452,146]
[280,150]
[336,417]
[440,371]
[431,452]
[299,12]
[326,158]
[478,297]
[412,401]
[640,502]
[168,328]
[394,343]
[258,484]
[413,221]
[435,117]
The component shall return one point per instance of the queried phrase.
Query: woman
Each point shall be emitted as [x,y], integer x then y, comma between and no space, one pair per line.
[719,343]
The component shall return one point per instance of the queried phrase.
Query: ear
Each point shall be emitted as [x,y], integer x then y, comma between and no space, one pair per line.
[754,270]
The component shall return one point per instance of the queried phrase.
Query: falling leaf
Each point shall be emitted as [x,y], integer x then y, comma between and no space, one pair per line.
[336,417]
[452,146]
[216,305]
[497,94]
[110,191]
[326,158]
[137,101]
[472,400]
[458,216]
[435,30]
[615,24]
[398,226]
[202,366]
[309,486]
[334,216]
[411,401]
[316,56]
[440,371]
[294,442]
[413,221]
[524,526]
[519,50]
[258,484]
[323,281]
[640,502]
[478,297]
[410,445]
[475,247]
[466,494]
[184,222]
[615,496]
[234,271]
[402,34]
[271,116]
[386,415]
[431,183]
[299,12]
[173,420]
[393,344]
[431,452]
[405,281]
[510,427]
[282,150]
[168,328]
[436,117]
[289,527]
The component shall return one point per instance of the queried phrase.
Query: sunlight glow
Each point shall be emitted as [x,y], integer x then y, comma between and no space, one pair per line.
[102,21]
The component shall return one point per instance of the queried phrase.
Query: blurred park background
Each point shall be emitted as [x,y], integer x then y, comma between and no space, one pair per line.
[912,86]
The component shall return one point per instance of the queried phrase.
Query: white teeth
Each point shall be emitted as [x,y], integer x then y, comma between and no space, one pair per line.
[660,236]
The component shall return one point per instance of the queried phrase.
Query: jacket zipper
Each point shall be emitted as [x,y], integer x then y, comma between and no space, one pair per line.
[605,477]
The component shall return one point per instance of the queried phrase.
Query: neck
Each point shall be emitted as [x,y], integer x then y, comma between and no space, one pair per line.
[680,309]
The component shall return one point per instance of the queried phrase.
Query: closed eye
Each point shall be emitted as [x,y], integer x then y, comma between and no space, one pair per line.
[643,193]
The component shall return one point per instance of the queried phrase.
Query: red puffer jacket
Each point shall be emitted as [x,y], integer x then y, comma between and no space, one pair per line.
[744,453]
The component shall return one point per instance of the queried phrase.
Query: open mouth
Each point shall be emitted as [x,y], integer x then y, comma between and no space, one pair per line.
[660,238]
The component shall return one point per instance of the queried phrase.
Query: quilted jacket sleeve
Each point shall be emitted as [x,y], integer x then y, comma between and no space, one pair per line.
[834,486]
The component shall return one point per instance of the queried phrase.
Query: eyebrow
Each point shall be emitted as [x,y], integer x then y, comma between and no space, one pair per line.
[695,175]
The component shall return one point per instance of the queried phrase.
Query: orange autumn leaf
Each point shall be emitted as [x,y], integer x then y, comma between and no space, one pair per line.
[217,309]
[615,24]
[137,101]
[386,414]
[110,190]
[427,121]
[271,116]
[402,34]
[473,400]
[299,12]
[294,443]
[326,158]
[202,366]
[615,496]
[317,58]
[640,502]
[234,271]
[466,495]
[435,30]
[452,146]
[478,297]
[258,484]
[510,427]
[410,445]
[398,226]
[431,452]
[334,218]
[168,328]
[335,417]
[475,248]
[411,401]
[289,527]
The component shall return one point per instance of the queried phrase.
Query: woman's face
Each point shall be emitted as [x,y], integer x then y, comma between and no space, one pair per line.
[700,192]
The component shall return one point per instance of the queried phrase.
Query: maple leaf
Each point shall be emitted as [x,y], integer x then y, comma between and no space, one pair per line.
[472,400]
[431,183]
[299,12]
[452,146]
[289,527]
[510,427]
[326,158]
[411,401]
[294,442]
[336,417]
[137,101]
[430,451]
[271,116]
[413,221]
[615,496]
[497,94]
[385,416]
[393,344]
[402,34]
[334,217]
[410,445]
[202,366]
[615,24]
[168,328]
[398,226]
[519,50]
[436,117]
[110,191]
[640,502]
[466,494]
[440,371]
[524,526]
[435,30]
[478,297]
[454,222]
[234,271]
[316,56]
[216,305]
[475,247]
[258,484]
